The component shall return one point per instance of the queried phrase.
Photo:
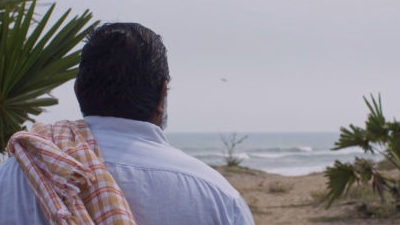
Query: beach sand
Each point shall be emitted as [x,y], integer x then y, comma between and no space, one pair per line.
[286,200]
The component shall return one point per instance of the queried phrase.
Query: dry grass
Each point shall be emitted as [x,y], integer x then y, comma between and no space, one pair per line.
[280,187]
[365,204]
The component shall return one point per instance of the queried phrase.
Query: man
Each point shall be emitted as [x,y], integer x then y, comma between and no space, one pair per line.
[122,91]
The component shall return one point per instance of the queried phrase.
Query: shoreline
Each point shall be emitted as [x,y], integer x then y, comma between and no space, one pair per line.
[320,170]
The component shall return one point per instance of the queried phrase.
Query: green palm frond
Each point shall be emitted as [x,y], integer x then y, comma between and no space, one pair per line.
[378,135]
[341,177]
[364,169]
[377,129]
[33,62]
[355,136]
[13,6]
[392,152]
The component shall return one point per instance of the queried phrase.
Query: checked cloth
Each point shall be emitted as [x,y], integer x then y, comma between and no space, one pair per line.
[68,177]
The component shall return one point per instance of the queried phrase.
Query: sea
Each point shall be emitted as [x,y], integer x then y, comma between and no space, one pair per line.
[289,154]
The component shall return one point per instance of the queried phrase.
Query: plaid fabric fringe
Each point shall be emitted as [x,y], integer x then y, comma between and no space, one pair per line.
[68,177]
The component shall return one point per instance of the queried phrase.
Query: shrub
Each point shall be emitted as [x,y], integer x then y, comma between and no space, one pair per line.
[231,144]
[378,136]
[278,187]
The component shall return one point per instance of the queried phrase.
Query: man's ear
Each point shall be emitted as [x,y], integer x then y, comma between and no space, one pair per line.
[76,88]
[160,107]
[158,114]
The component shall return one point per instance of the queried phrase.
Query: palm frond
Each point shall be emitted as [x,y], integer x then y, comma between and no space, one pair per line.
[377,130]
[33,62]
[377,133]
[355,136]
[340,178]
[364,169]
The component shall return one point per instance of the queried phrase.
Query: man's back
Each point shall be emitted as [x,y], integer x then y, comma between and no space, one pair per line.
[162,184]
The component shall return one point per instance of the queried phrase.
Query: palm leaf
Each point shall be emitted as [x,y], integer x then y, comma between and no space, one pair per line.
[340,178]
[32,62]
[376,127]
[377,133]
[355,136]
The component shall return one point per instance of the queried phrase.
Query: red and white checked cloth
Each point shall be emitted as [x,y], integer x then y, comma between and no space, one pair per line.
[69,179]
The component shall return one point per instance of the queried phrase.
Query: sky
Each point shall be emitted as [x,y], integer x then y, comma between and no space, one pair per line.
[263,65]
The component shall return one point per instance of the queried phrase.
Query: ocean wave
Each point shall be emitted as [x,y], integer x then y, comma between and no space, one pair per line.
[305,148]
[240,155]
[307,153]
[208,154]
[210,150]
[303,151]
[282,149]
[201,149]
[270,155]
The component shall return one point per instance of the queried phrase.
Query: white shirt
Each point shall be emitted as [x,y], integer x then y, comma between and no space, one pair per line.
[163,185]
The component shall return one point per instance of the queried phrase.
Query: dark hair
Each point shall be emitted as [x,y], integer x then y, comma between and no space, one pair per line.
[122,70]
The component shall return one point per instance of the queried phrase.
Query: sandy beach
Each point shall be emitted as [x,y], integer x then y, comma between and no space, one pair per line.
[286,200]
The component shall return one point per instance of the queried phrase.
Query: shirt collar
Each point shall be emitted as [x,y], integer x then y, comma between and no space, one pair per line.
[145,130]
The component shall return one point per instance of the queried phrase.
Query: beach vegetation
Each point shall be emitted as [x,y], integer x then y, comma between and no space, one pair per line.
[379,136]
[318,195]
[34,59]
[279,187]
[362,202]
[230,151]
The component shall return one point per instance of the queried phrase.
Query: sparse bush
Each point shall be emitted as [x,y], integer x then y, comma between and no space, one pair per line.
[378,210]
[278,187]
[318,196]
[361,193]
[231,144]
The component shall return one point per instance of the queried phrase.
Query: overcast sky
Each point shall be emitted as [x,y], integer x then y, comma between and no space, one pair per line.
[290,65]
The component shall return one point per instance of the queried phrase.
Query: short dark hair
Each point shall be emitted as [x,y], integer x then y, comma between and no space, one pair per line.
[122,71]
